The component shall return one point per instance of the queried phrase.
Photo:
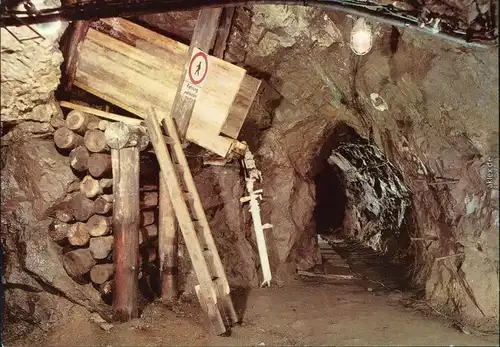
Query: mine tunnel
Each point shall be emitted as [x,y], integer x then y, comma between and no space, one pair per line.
[174,173]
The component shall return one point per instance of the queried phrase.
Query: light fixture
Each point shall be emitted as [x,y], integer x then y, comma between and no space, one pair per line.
[361,37]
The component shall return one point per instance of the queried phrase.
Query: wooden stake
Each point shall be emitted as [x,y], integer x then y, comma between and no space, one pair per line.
[64,138]
[100,247]
[95,141]
[126,232]
[78,158]
[78,262]
[99,164]
[101,273]
[167,245]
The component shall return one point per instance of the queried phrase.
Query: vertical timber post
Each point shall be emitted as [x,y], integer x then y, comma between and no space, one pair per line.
[126,143]
[167,244]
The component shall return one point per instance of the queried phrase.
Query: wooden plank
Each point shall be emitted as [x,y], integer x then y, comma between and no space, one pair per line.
[206,234]
[110,65]
[207,293]
[171,53]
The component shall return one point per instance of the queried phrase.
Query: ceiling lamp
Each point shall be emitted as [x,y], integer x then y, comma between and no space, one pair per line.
[361,37]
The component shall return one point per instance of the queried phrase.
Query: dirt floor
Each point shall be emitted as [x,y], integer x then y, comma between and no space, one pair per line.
[300,314]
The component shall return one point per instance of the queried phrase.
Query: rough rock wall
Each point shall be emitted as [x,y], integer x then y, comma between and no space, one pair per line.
[30,74]
[440,129]
[34,178]
[377,197]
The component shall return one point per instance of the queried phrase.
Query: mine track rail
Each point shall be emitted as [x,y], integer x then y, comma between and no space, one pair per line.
[418,19]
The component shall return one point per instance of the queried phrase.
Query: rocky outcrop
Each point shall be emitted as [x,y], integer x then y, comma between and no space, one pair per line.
[440,129]
[377,196]
[30,74]
[35,178]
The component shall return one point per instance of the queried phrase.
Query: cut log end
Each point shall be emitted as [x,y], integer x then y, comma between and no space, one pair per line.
[78,262]
[101,273]
[78,158]
[101,247]
[82,207]
[78,234]
[102,206]
[98,225]
[90,187]
[99,164]
[64,138]
[77,121]
[95,141]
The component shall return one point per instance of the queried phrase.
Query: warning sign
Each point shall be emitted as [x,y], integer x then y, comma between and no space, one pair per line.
[196,74]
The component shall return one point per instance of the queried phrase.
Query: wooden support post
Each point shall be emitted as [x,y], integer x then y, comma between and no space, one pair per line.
[126,220]
[71,51]
[125,146]
[167,244]
[203,39]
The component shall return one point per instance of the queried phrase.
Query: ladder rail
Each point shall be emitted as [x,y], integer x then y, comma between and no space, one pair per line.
[222,283]
[206,293]
[196,203]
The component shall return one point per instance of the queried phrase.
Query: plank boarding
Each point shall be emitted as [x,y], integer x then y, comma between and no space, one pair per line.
[135,68]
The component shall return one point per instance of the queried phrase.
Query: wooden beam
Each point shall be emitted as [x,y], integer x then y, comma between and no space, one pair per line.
[203,39]
[102,114]
[78,31]
[126,220]
[171,53]
[223,32]
[123,56]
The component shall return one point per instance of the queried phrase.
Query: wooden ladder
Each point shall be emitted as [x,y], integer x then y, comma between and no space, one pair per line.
[213,289]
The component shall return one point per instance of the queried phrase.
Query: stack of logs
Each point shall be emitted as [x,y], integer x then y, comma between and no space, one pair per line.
[83,221]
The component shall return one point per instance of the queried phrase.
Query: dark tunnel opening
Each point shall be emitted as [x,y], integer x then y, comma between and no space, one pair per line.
[337,195]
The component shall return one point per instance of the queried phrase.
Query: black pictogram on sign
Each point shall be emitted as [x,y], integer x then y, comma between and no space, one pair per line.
[198,68]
